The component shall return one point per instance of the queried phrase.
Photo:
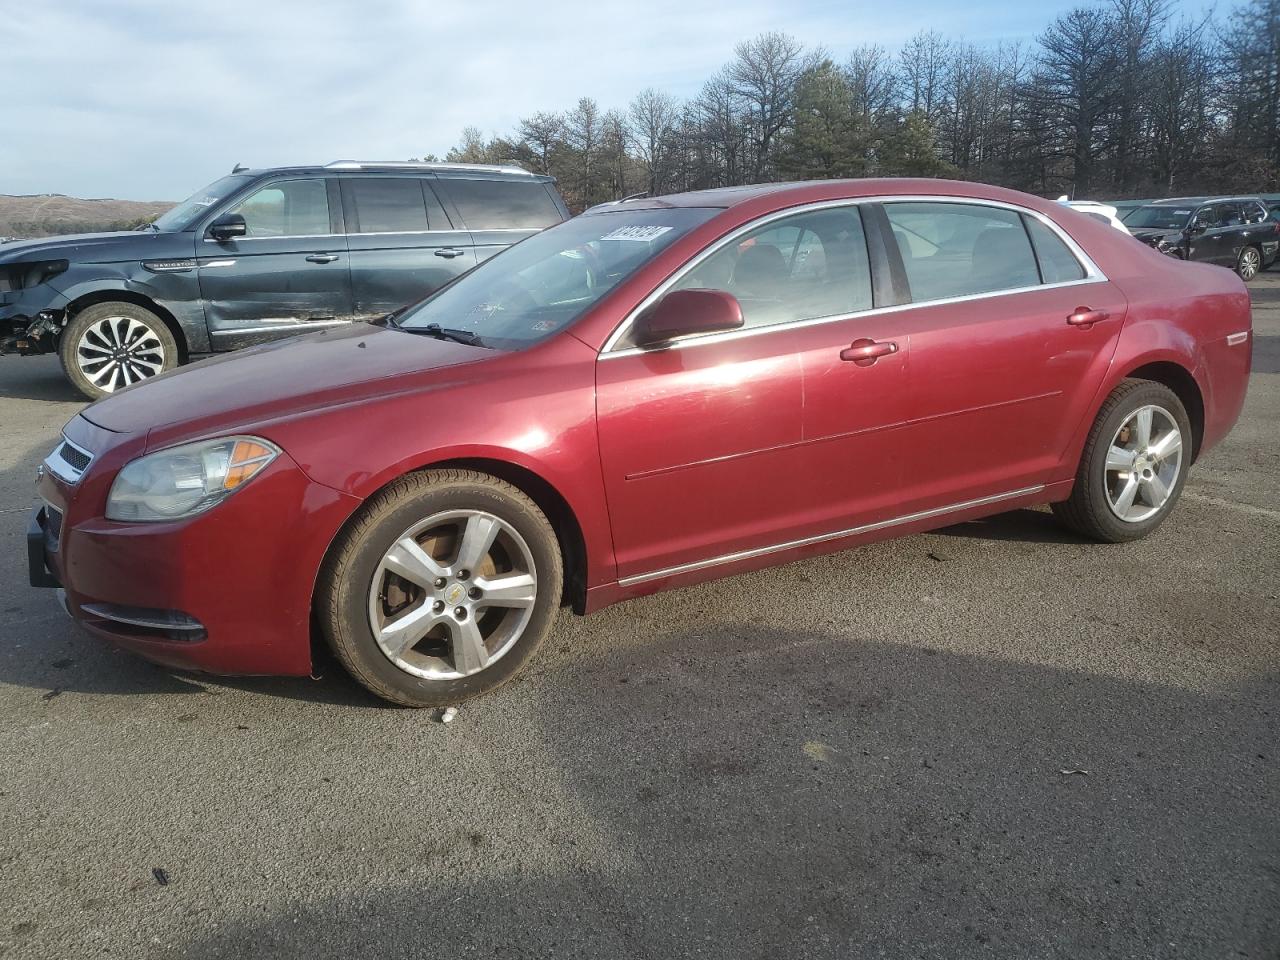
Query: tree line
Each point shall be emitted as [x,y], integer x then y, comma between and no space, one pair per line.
[1113,99]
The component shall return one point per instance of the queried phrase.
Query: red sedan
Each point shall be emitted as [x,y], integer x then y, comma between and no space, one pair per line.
[653,394]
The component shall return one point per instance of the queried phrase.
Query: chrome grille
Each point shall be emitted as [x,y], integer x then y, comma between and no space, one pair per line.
[78,459]
[68,462]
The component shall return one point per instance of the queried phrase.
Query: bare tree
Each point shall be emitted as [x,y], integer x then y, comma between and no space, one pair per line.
[652,116]
[763,75]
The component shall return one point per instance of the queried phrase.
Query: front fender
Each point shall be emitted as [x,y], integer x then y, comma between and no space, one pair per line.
[177,294]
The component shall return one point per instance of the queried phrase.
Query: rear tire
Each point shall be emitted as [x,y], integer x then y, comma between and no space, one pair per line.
[441,589]
[1249,263]
[1134,465]
[109,346]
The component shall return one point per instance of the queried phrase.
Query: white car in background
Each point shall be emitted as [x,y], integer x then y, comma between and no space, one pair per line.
[1099,211]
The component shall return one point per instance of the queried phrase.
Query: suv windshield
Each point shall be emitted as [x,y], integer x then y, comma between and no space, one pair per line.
[190,209]
[1159,218]
[543,284]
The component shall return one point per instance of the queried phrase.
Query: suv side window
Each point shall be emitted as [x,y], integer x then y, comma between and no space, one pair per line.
[1206,217]
[388,204]
[286,208]
[1231,214]
[501,204]
[1254,212]
[802,267]
[961,249]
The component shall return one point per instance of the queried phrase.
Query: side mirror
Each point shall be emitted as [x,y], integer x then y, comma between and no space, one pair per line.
[685,312]
[228,227]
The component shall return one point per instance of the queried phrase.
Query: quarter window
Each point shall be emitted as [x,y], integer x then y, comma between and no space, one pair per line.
[287,208]
[958,250]
[1057,263]
[802,267]
[388,204]
[501,204]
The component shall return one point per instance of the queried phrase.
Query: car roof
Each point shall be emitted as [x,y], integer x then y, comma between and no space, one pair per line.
[783,195]
[1184,201]
[462,171]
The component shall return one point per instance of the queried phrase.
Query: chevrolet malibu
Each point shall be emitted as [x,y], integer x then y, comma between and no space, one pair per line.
[653,394]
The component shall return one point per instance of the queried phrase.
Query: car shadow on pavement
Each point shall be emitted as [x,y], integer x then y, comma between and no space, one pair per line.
[36,378]
[1025,526]
[754,793]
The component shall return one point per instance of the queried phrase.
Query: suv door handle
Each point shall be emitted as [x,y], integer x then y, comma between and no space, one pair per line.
[449,252]
[322,258]
[1087,317]
[865,352]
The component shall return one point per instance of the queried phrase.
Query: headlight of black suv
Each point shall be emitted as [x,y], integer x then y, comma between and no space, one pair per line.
[20,276]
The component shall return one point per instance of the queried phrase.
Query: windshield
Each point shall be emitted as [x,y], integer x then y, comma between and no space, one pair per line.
[1159,218]
[541,285]
[190,209]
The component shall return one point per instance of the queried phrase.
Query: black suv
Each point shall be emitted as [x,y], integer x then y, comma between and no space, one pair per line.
[259,255]
[1235,232]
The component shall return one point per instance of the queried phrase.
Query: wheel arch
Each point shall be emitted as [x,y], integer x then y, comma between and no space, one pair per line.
[137,299]
[1182,382]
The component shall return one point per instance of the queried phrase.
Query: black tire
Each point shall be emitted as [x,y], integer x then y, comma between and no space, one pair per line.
[1249,263]
[346,579]
[1088,511]
[134,344]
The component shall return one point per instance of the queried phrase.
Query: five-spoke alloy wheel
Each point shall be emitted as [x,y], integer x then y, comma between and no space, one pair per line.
[109,346]
[441,588]
[1134,464]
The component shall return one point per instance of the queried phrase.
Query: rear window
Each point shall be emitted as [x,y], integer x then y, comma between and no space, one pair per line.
[501,204]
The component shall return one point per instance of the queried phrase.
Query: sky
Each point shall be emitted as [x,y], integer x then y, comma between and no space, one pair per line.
[151,100]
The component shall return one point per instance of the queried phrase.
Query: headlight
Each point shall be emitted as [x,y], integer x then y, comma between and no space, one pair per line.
[186,480]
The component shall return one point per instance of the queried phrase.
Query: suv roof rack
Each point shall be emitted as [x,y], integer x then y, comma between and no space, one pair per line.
[423,165]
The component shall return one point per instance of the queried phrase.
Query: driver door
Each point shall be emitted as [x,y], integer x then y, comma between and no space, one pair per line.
[288,273]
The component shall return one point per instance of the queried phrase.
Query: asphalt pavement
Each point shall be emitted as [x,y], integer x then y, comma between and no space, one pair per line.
[993,741]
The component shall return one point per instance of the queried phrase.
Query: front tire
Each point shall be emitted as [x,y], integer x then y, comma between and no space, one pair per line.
[109,346]
[1249,263]
[441,589]
[1133,467]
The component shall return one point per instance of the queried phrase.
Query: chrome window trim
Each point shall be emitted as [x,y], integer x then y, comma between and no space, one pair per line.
[825,537]
[63,470]
[291,236]
[1093,274]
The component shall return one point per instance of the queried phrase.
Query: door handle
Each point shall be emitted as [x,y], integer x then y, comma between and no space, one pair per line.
[449,252]
[1087,317]
[322,258]
[865,352]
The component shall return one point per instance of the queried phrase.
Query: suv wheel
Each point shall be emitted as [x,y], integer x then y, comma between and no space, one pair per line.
[1249,264]
[442,588]
[110,346]
[1134,464]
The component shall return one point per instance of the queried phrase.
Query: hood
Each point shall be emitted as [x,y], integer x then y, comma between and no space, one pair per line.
[97,247]
[327,368]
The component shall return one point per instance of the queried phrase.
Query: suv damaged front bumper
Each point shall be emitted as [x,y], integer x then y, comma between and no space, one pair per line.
[31,319]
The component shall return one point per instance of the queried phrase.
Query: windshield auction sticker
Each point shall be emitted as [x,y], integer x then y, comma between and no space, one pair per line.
[643,234]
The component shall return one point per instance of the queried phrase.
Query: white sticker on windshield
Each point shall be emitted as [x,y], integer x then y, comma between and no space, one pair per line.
[1182,213]
[636,233]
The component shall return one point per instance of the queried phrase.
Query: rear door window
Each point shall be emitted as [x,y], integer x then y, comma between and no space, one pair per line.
[1230,214]
[287,208]
[959,249]
[501,204]
[388,204]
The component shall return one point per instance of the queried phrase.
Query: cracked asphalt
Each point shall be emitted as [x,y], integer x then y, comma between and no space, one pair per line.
[992,741]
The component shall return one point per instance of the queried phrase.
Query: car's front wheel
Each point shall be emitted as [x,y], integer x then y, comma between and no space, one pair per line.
[1249,263]
[109,346]
[1134,464]
[441,589]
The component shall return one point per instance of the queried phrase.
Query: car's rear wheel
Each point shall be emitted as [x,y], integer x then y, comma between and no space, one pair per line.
[441,589]
[1249,263]
[109,346]
[1134,464]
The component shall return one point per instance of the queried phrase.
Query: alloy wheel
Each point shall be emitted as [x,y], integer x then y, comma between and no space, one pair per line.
[1143,464]
[1250,262]
[118,351]
[453,594]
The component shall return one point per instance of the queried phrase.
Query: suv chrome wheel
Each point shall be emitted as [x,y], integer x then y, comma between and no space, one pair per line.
[115,352]
[452,595]
[1250,263]
[1143,463]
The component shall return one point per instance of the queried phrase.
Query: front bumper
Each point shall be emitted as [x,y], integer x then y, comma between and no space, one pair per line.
[227,591]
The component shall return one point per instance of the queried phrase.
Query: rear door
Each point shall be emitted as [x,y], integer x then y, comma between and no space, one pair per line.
[1000,379]
[403,245]
[499,211]
[288,273]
